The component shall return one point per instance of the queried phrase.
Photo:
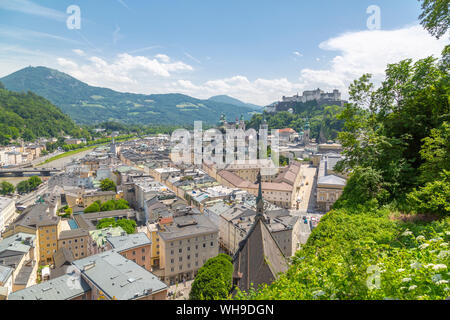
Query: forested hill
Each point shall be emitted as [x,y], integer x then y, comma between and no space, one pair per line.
[323,120]
[86,104]
[29,116]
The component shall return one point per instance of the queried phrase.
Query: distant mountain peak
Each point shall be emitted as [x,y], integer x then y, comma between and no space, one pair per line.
[88,104]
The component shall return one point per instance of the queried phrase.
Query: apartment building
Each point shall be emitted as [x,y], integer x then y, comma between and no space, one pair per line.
[185,244]
[102,196]
[7,212]
[77,241]
[135,247]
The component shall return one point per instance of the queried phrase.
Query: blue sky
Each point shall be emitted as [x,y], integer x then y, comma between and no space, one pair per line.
[256,51]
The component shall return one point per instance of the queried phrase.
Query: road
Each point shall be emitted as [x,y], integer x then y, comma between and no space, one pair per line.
[306,192]
[61,163]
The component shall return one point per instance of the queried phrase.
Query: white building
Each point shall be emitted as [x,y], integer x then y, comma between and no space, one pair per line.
[7,211]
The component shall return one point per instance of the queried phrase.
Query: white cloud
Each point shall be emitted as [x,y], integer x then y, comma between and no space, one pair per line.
[356,53]
[298,54]
[370,52]
[67,63]
[79,52]
[163,58]
[126,72]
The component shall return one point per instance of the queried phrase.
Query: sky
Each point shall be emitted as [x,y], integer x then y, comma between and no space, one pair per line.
[253,50]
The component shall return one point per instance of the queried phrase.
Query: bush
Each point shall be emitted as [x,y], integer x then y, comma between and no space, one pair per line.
[433,198]
[107,185]
[129,226]
[95,207]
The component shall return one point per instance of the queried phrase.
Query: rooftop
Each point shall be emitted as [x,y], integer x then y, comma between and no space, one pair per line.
[65,287]
[118,277]
[129,241]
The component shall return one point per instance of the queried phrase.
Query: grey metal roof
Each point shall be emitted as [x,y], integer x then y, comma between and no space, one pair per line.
[17,243]
[129,241]
[331,180]
[63,288]
[5,273]
[190,225]
[118,277]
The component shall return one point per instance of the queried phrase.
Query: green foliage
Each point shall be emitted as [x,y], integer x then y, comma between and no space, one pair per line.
[110,205]
[366,255]
[364,186]
[29,116]
[129,226]
[433,198]
[28,185]
[92,105]
[436,153]
[324,124]
[107,185]
[94,207]
[214,279]
[6,188]
[385,128]
[435,17]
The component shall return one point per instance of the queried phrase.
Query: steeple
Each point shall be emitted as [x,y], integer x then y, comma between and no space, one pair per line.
[259,199]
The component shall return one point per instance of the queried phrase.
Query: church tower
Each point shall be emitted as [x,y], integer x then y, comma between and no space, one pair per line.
[259,199]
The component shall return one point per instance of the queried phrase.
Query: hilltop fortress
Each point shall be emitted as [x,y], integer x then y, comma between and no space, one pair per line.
[320,96]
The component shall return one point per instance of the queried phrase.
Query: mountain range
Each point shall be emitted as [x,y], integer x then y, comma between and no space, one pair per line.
[87,104]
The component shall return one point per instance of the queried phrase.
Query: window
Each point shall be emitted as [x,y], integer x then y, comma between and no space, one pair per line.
[143,258]
[64,242]
[212,244]
[196,255]
[180,250]
[172,269]
[143,250]
[188,248]
[134,253]
[180,259]
[171,251]
[172,261]
[157,246]
[76,241]
[204,245]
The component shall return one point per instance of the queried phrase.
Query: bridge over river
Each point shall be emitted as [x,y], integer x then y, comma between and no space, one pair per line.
[20,172]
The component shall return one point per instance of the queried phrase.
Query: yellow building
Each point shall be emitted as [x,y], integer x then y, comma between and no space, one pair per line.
[47,239]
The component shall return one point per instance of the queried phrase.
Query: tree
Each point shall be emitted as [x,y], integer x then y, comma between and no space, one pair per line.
[107,185]
[129,226]
[436,153]
[34,182]
[433,198]
[23,187]
[213,280]
[108,206]
[121,204]
[106,223]
[435,17]
[94,207]
[6,188]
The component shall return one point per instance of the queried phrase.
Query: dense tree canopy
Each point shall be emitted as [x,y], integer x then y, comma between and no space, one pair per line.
[107,185]
[6,188]
[129,226]
[214,279]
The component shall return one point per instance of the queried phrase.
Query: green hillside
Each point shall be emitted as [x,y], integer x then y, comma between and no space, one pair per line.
[88,105]
[29,116]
